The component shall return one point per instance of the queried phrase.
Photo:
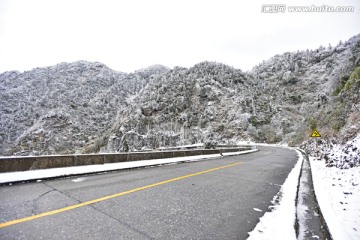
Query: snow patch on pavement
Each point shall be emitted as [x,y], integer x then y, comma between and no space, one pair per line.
[279,222]
[78,179]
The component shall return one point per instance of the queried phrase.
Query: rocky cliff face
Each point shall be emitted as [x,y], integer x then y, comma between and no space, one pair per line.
[85,107]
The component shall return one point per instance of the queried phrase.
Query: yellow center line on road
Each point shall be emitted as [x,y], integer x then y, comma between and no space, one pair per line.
[60,210]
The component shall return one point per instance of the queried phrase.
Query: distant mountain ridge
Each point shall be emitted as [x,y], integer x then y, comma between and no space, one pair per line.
[86,107]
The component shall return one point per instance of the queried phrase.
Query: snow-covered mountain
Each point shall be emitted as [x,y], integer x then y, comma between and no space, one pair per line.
[86,107]
[65,108]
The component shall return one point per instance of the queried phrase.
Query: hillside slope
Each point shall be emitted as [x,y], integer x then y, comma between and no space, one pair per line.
[86,107]
[281,100]
[63,109]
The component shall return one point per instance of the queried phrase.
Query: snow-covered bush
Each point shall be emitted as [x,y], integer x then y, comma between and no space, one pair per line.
[335,154]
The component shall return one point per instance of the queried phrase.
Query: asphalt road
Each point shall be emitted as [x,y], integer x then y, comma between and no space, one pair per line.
[211,199]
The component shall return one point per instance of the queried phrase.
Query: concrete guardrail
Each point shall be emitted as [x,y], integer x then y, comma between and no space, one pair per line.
[14,164]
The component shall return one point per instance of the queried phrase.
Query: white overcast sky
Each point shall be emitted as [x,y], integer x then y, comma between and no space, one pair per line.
[133,34]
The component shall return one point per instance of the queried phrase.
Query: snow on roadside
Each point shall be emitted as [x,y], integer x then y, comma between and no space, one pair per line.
[67,171]
[338,194]
[334,153]
[279,222]
[336,175]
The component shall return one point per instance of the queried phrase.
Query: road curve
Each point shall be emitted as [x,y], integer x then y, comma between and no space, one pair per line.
[212,199]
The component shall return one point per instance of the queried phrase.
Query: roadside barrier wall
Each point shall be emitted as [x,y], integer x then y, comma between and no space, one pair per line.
[15,164]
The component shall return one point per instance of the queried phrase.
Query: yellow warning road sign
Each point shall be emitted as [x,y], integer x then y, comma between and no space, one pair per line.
[315,133]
